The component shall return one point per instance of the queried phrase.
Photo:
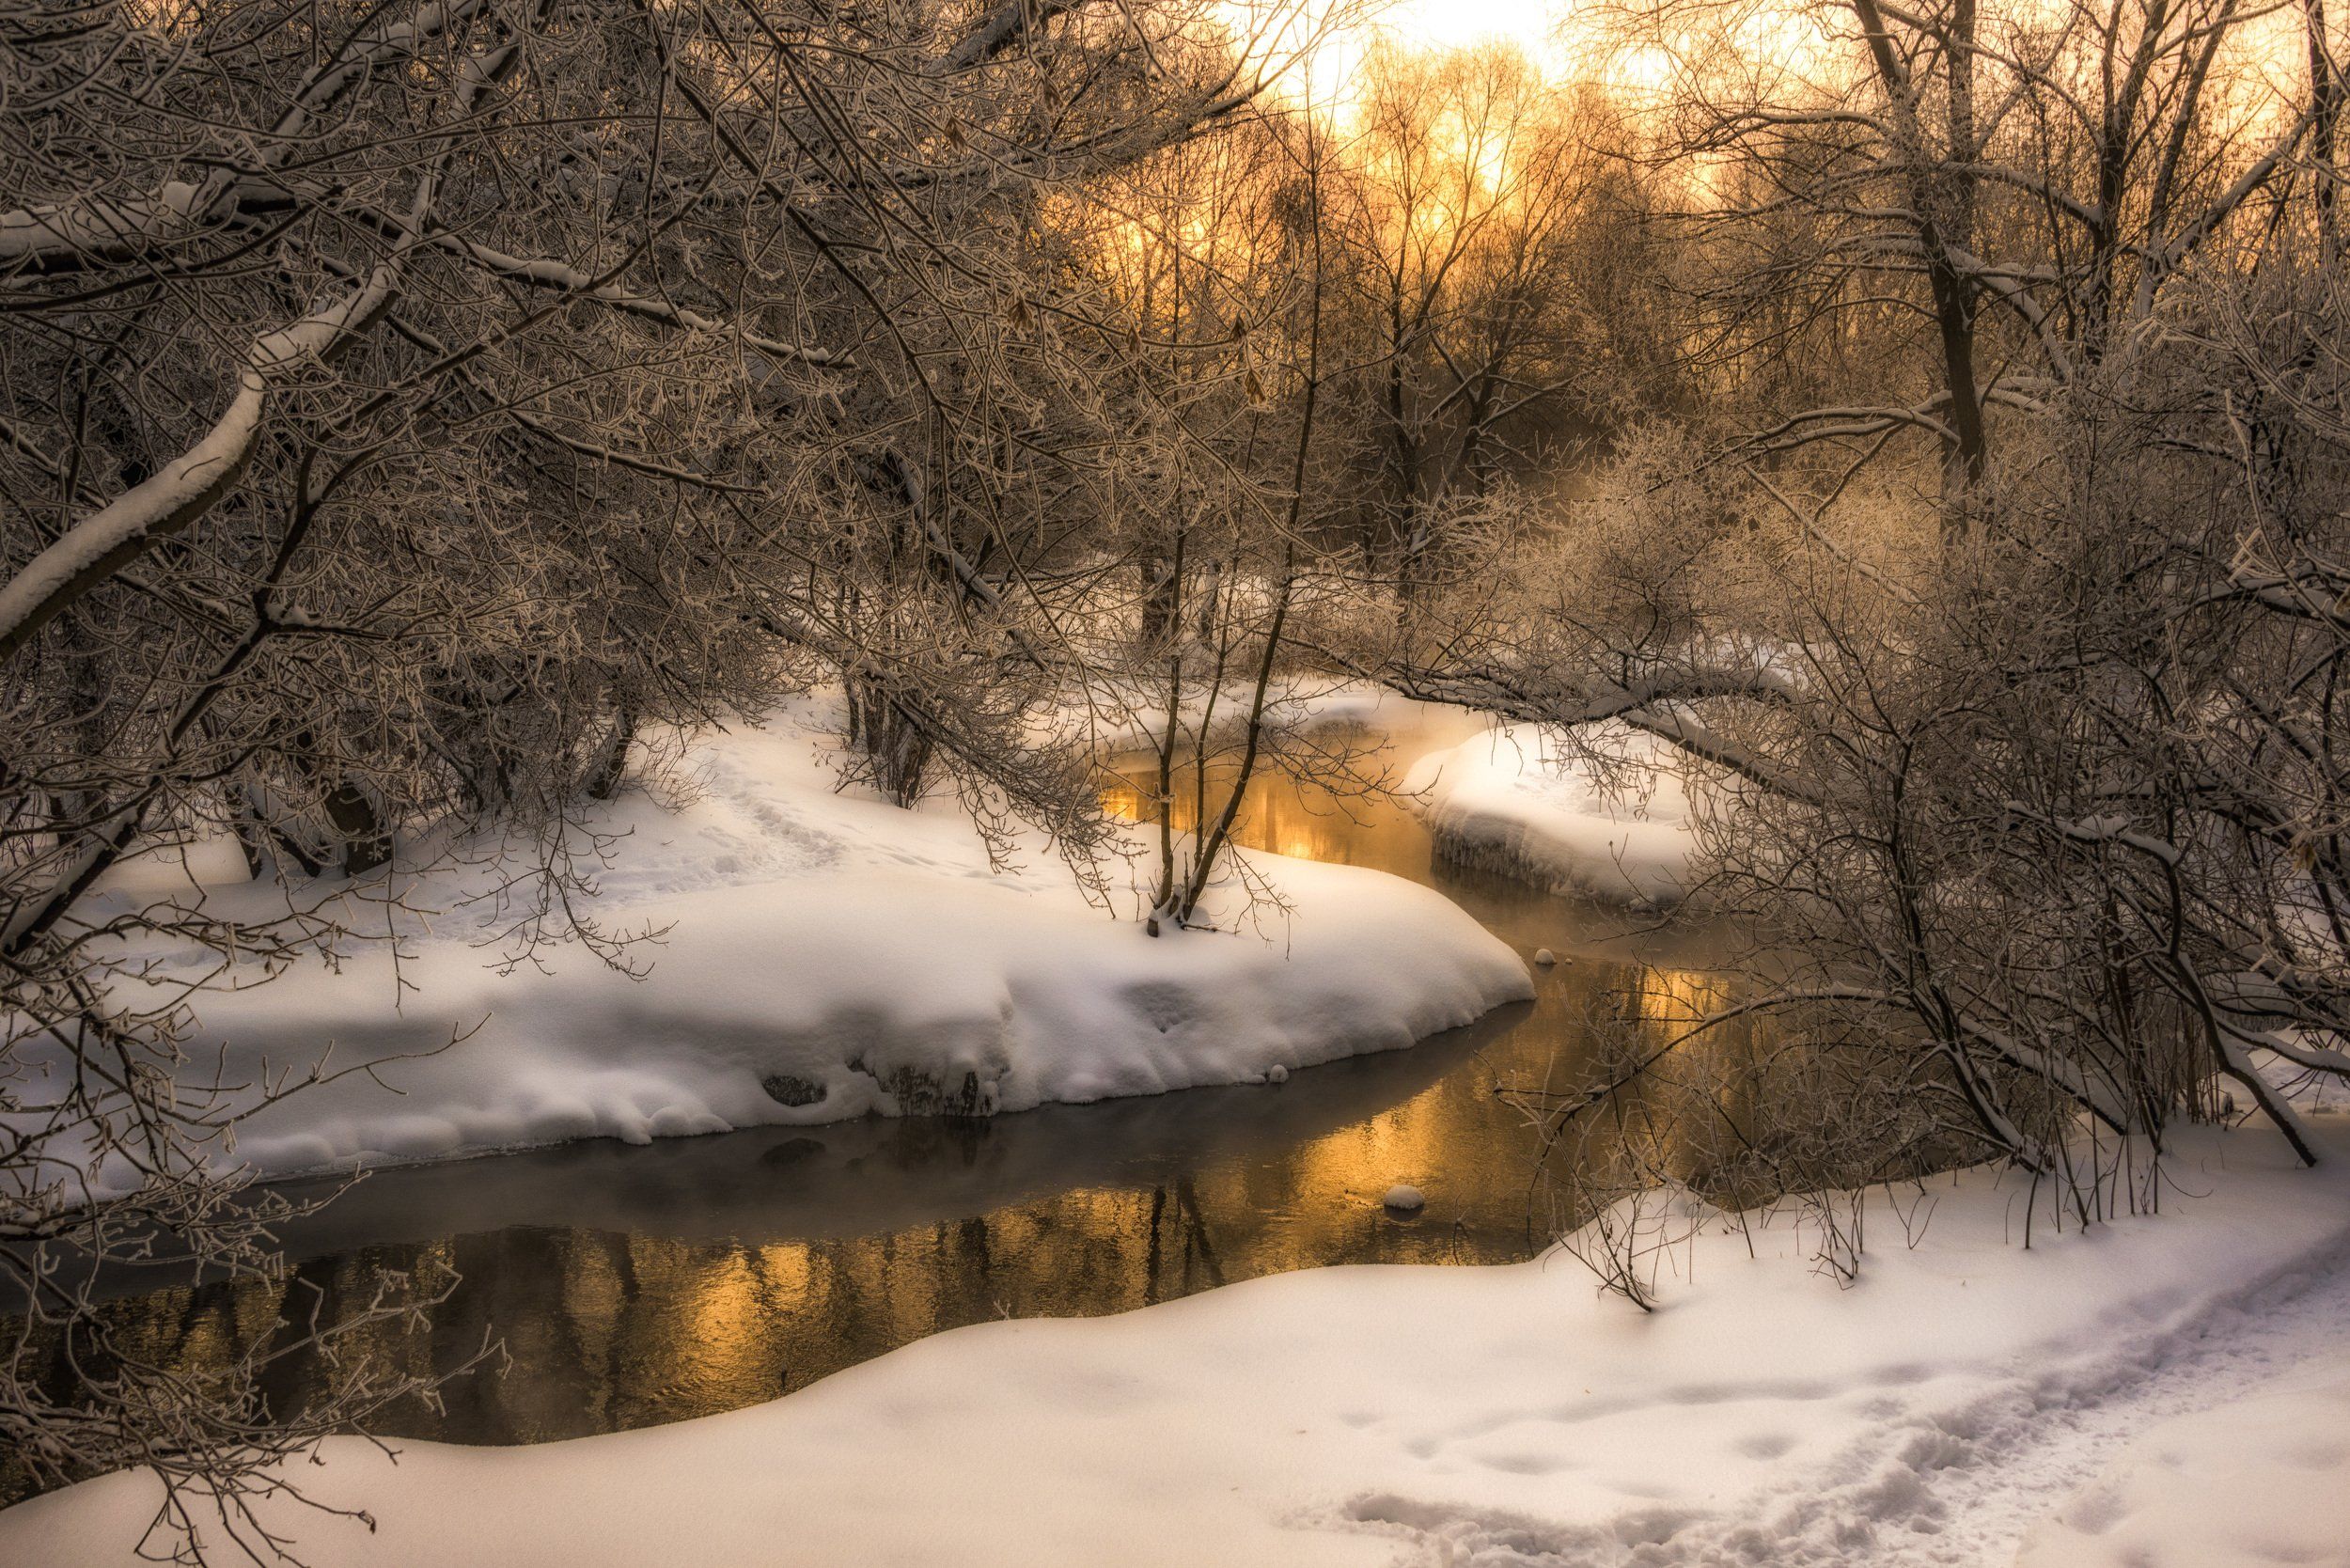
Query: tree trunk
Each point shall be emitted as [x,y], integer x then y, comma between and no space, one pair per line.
[604,778]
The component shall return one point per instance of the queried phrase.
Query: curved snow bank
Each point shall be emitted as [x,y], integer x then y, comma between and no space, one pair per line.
[2255,1483]
[1512,801]
[1374,1416]
[822,956]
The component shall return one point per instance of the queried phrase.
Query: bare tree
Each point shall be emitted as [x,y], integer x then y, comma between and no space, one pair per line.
[1465,331]
[408,408]
[1996,198]
[2041,820]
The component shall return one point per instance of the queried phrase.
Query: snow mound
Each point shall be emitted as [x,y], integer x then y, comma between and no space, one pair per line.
[818,956]
[2254,1483]
[1512,801]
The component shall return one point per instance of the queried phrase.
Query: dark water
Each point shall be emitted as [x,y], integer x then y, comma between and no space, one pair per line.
[633,1286]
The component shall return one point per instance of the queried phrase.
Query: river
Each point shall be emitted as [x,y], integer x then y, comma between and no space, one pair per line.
[636,1285]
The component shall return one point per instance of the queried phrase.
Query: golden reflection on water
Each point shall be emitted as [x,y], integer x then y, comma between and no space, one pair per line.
[609,1330]
[1280,814]
[627,1319]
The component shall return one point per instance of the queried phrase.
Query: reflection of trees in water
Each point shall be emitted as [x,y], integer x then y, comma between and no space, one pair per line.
[1652,1100]
[608,1330]
[1179,1243]
[1359,822]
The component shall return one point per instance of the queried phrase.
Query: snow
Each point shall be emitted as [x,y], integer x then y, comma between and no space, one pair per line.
[1512,800]
[1404,1198]
[818,955]
[183,489]
[2254,1483]
[1502,1418]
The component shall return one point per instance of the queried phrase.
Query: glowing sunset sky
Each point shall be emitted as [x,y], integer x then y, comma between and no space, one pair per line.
[1530,25]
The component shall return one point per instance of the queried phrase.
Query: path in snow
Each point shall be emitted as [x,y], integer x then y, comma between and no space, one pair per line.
[2296,1321]
[1926,1467]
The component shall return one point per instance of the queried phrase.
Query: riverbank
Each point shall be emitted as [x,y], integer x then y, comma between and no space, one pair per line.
[807,954]
[1609,819]
[1941,1411]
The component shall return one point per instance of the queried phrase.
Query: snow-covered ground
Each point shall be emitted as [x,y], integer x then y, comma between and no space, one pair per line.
[1963,1392]
[1512,800]
[2255,1481]
[821,955]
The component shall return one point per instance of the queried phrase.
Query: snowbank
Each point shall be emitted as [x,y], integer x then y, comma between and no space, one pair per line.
[821,956]
[1511,801]
[1373,1416]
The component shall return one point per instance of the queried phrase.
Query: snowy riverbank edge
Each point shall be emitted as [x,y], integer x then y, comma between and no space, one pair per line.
[1513,801]
[821,955]
[1607,821]
[1929,1414]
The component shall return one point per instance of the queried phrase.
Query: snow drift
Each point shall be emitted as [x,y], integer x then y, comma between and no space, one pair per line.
[820,956]
[1513,801]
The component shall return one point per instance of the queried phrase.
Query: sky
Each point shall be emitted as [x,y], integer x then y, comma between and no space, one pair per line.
[1452,24]
[1532,25]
